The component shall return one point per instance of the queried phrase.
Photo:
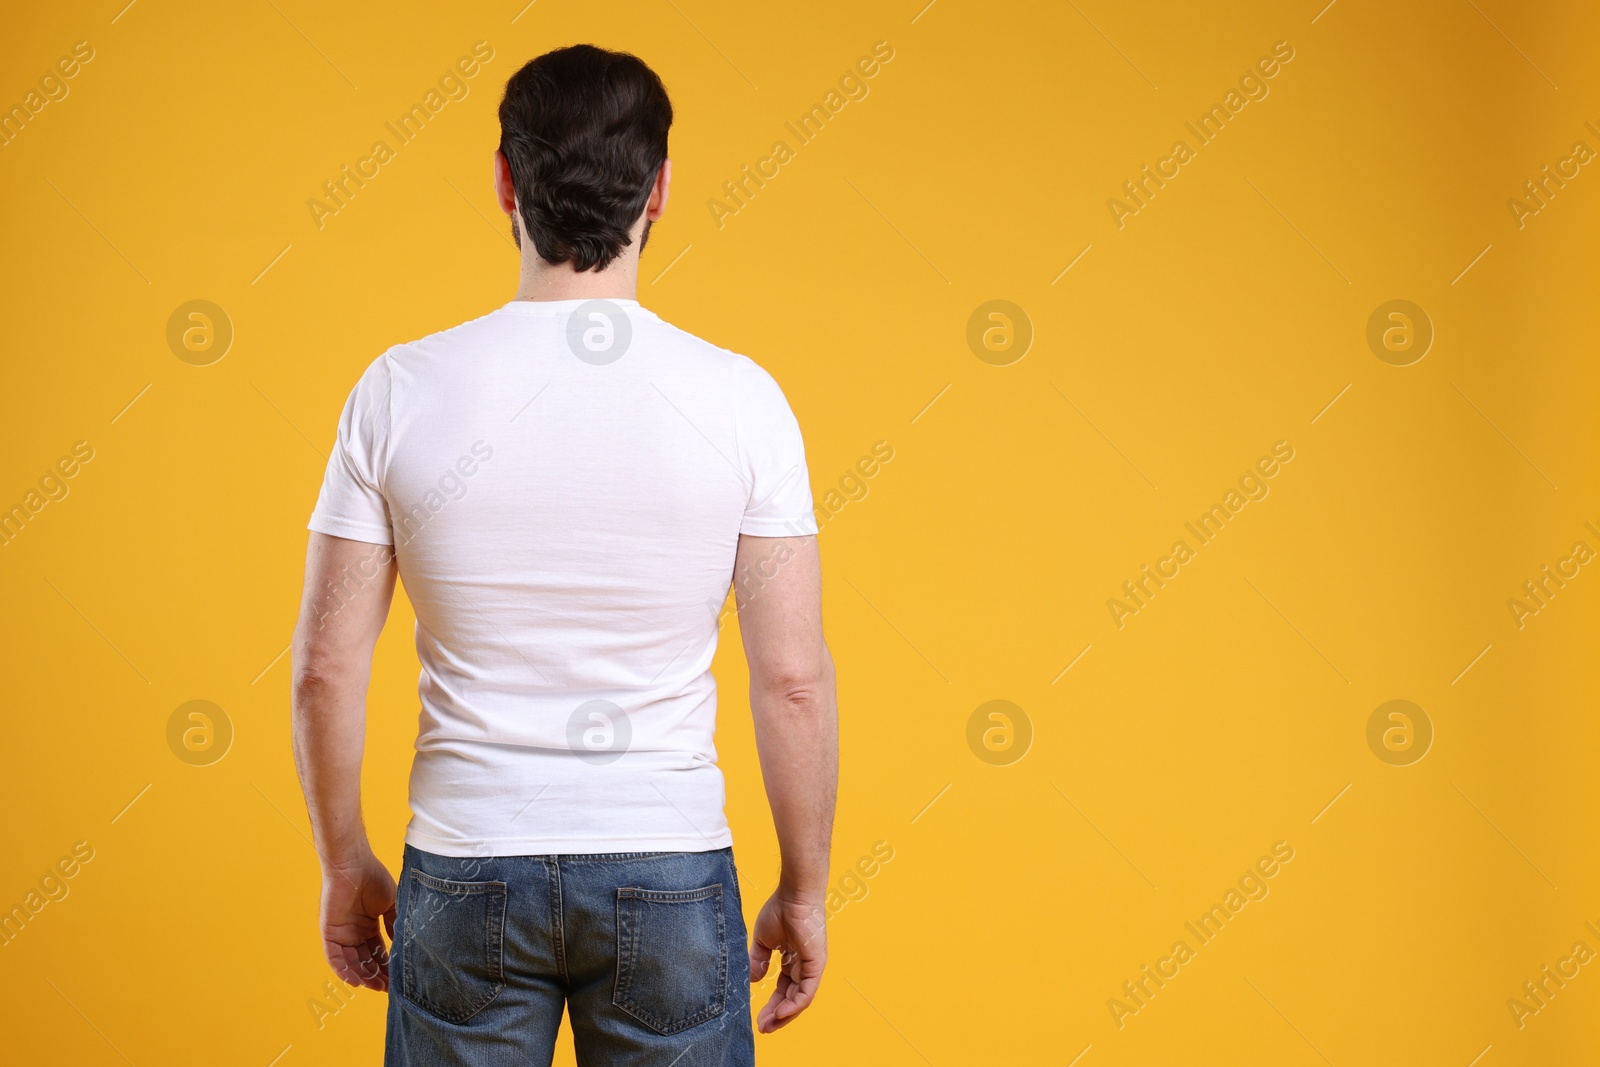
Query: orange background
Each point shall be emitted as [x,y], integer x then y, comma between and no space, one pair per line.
[1229,313]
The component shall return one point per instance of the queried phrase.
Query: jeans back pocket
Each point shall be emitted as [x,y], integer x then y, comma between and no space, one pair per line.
[672,956]
[452,945]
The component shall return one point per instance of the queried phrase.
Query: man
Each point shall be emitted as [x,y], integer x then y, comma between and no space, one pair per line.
[567,486]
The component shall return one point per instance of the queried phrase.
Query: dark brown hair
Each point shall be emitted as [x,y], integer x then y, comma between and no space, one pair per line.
[585,131]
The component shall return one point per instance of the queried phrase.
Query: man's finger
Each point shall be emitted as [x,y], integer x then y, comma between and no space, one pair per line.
[771,1017]
[374,960]
[800,997]
[791,997]
[377,965]
[765,1017]
[343,958]
[360,965]
[760,956]
[381,956]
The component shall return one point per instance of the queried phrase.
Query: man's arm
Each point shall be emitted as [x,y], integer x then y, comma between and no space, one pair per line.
[349,585]
[778,588]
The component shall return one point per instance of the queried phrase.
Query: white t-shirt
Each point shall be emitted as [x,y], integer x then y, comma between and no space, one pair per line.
[565,483]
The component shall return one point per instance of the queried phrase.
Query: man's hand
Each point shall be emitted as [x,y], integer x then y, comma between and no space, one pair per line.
[354,896]
[793,927]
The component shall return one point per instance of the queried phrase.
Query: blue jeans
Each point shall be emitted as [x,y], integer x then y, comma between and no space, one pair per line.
[643,949]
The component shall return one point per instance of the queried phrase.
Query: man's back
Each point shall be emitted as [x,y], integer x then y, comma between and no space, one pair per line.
[567,487]
[566,482]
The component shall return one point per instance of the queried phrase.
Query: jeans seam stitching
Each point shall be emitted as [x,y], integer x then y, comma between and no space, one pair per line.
[558,922]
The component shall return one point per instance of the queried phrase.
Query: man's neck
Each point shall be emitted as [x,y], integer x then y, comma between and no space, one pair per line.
[544,281]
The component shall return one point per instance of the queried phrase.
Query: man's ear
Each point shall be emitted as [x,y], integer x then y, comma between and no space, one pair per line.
[658,193]
[505,189]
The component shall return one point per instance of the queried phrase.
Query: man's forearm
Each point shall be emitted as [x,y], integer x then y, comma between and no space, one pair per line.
[349,585]
[330,727]
[797,735]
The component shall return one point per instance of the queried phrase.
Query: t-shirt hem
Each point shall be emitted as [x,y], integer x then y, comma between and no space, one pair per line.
[354,531]
[455,847]
[797,527]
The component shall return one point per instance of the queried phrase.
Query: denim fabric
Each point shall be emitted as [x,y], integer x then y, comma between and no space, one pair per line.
[645,951]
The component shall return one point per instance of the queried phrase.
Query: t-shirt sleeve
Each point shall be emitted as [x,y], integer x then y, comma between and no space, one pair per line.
[775,458]
[352,503]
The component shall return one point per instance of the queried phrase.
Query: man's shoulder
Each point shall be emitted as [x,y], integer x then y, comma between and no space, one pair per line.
[696,349]
[464,336]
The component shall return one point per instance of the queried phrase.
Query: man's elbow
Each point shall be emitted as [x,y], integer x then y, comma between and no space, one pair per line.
[321,674]
[311,687]
[801,687]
